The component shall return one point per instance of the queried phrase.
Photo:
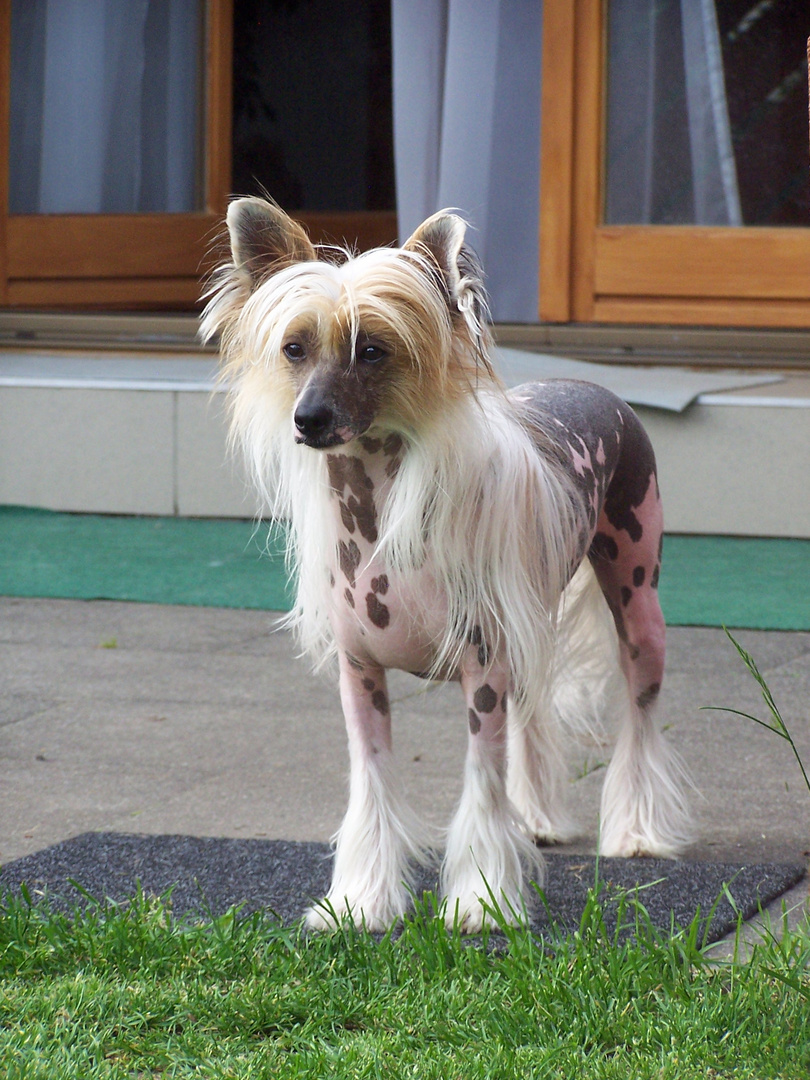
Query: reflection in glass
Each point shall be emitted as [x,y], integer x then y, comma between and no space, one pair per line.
[706,113]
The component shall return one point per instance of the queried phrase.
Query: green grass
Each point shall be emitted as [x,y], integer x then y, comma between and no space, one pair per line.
[129,991]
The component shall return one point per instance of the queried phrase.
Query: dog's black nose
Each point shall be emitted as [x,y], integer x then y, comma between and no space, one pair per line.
[312,418]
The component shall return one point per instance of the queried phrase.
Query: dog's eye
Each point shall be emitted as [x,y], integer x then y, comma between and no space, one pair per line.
[370,354]
[294,351]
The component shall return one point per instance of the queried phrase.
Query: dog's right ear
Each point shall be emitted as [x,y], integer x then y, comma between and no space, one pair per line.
[264,239]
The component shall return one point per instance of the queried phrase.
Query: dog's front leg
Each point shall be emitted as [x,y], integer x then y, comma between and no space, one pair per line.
[487,844]
[379,839]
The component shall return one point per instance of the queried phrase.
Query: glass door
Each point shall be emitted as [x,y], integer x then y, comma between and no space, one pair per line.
[683,181]
[312,114]
[117,146]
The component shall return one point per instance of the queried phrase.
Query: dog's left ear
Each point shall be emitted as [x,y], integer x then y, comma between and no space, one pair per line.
[441,240]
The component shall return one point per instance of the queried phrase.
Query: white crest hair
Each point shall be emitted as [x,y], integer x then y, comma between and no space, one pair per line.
[495,518]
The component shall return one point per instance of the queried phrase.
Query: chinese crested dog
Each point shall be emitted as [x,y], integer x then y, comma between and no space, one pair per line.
[445,526]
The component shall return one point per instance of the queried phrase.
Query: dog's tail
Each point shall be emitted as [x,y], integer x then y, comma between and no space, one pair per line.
[588,688]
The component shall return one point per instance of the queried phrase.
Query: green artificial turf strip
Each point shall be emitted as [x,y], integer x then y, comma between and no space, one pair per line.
[125,991]
[756,583]
[705,580]
[163,560]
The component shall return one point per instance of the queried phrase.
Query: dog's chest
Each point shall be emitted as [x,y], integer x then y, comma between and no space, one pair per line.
[374,612]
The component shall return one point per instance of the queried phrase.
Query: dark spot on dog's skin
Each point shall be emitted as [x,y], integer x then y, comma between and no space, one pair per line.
[368,684]
[392,468]
[627,595]
[604,547]
[648,696]
[503,702]
[638,576]
[365,515]
[380,584]
[380,702]
[475,721]
[392,445]
[654,579]
[348,595]
[370,445]
[347,471]
[635,651]
[476,637]
[485,699]
[346,517]
[377,611]
[331,579]
[618,618]
[349,559]
[621,516]
[619,465]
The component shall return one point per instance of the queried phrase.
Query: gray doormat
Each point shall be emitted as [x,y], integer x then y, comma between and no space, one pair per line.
[207,876]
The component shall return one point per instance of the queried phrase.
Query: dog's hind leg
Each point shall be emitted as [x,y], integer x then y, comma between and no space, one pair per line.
[644,809]
[487,844]
[379,839]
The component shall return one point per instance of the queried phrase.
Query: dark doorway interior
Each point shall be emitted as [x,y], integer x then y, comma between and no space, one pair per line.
[312,103]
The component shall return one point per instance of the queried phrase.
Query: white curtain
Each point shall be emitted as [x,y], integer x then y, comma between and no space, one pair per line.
[466,78]
[105,111]
[467,125]
[669,151]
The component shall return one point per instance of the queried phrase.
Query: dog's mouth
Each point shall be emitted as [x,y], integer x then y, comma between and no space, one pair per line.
[323,440]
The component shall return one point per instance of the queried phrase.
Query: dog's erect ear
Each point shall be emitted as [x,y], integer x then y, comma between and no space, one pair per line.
[264,239]
[441,239]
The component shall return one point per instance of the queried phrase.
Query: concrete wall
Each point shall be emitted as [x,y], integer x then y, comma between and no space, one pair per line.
[119,452]
[738,470]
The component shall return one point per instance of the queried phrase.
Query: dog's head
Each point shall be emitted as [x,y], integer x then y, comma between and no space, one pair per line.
[346,343]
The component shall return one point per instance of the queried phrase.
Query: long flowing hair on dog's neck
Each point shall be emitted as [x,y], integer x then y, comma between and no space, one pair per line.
[475,500]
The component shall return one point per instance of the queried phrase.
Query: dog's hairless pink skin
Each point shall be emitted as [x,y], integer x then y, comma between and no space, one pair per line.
[611,460]
[601,444]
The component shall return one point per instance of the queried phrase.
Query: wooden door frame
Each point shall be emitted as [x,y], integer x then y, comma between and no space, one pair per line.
[682,275]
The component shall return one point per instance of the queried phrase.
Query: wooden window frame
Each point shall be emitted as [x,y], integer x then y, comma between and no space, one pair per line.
[682,275]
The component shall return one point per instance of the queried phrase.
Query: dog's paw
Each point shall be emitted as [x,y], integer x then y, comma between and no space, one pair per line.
[471,913]
[545,824]
[332,913]
[547,832]
[629,845]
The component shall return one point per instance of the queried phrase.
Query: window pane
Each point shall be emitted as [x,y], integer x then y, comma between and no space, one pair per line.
[707,113]
[106,113]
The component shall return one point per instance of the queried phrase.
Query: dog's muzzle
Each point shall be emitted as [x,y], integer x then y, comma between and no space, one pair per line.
[316,423]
